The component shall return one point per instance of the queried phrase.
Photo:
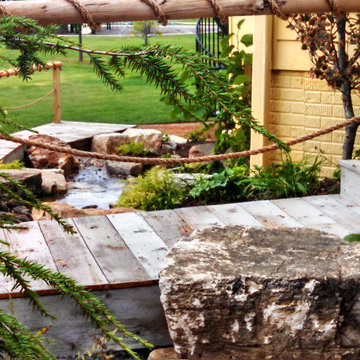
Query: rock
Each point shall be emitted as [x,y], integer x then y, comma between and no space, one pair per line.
[31,178]
[163,354]
[42,158]
[152,139]
[124,168]
[53,181]
[168,146]
[201,150]
[252,293]
[183,179]
[108,143]
[69,211]
[177,139]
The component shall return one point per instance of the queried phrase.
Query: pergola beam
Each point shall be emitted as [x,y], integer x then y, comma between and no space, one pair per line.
[62,12]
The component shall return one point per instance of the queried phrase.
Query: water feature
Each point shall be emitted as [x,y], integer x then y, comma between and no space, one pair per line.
[92,186]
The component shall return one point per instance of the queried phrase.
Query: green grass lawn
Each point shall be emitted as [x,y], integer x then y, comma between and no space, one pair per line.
[83,96]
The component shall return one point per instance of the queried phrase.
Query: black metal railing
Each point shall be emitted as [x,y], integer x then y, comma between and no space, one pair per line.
[208,34]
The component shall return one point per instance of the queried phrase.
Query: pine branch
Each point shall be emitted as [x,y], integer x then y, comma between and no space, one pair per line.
[28,198]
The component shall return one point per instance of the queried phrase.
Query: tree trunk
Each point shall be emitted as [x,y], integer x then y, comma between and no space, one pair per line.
[350,132]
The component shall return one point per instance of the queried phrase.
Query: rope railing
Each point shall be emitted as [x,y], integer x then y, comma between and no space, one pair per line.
[177,161]
[56,66]
[25,106]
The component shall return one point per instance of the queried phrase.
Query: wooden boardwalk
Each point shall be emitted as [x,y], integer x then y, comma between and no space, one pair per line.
[118,256]
[68,131]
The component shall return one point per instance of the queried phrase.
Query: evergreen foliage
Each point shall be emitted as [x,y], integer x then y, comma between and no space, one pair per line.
[29,41]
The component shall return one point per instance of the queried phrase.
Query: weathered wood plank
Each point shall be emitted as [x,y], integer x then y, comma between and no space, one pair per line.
[6,283]
[167,224]
[112,254]
[303,212]
[269,214]
[138,308]
[71,255]
[310,216]
[346,202]
[233,214]
[31,244]
[142,240]
[346,218]
[199,217]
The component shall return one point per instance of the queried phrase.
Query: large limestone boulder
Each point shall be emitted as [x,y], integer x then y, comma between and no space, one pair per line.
[69,211]
[252,293]
[152,139]
[108,143]
[42,158]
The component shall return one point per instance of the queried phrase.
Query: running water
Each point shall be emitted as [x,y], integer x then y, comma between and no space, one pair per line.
[93,186]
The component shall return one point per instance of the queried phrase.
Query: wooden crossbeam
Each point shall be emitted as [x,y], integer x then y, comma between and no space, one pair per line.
[62,12]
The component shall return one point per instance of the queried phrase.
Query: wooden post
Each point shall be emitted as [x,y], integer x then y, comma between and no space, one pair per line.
[56,86]
[62,12]
[261,82]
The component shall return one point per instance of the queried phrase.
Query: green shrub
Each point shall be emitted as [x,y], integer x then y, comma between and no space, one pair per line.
[13,165]
[287,179]
[155,190]
[223,186]
[134,148]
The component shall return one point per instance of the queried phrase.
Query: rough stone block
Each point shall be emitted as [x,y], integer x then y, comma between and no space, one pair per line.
[202,150]
[251,293]
[43,158]
[108,143]
[124,168]
[151,138]
[31,178]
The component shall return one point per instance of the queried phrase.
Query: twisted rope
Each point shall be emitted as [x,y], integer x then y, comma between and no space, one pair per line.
[218,11]
[169,161]
[3,11]
[85,14]
[32,103]
[159,13]
[274,7]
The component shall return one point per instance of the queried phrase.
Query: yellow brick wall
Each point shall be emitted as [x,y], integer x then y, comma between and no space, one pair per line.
[300,105]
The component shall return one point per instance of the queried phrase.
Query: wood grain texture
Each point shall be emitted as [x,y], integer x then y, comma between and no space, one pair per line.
[6,283]
[61,12]
[115,259]
[167,224]
[199,217]
[71,255]
[269,214]
[144,243]
[30,244]
[138,308]
[233,214]
[346,219]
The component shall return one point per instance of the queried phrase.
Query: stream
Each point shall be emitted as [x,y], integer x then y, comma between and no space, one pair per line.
[92,186]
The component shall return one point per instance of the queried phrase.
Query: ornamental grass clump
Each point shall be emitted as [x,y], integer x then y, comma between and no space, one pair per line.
[155,190]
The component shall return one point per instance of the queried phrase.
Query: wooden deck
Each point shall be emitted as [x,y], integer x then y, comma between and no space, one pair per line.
[68,131]
[119,256]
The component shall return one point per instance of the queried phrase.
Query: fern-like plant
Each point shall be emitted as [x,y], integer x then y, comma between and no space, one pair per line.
[29,41]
